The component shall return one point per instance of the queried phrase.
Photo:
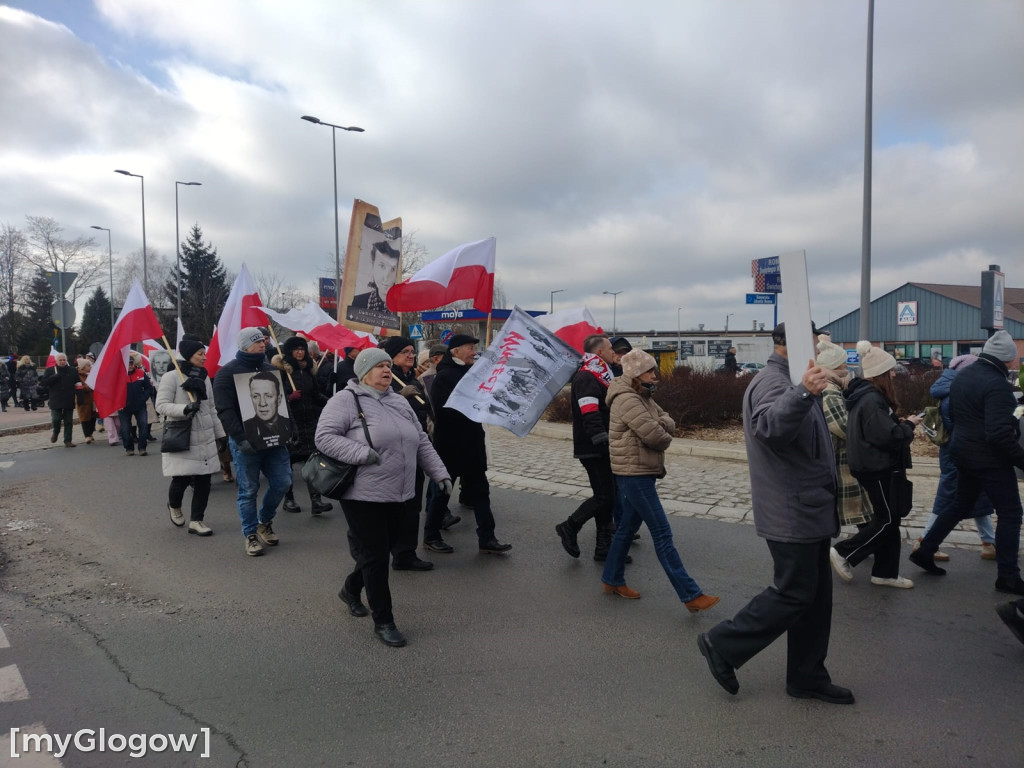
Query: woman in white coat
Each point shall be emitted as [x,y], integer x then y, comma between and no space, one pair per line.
[196,465]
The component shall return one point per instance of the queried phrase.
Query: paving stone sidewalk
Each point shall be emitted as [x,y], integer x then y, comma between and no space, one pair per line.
[705,479]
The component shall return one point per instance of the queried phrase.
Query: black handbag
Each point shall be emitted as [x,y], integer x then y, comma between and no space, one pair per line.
[330,477]
[176,435]
[901,493]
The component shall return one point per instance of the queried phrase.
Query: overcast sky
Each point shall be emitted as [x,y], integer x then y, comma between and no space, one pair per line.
[652,148]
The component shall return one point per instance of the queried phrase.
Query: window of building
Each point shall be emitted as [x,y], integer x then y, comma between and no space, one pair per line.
[942,350]
[900,351]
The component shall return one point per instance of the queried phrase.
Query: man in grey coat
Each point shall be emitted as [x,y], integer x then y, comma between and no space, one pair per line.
[793,490]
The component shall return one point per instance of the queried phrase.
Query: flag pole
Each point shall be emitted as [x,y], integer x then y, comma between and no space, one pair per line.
[270,327]
[487,336]
[174,359]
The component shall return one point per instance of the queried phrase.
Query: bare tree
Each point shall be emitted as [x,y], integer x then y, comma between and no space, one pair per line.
[49,251]
[278,294]
[160,268]
[13,266]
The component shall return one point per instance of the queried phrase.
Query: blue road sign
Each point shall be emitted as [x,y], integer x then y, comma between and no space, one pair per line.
[445,335]
[416,331]
[852,358]
[773,282]
[760,298]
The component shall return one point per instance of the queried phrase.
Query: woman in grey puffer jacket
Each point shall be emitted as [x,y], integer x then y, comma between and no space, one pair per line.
[374,503]
[196,465]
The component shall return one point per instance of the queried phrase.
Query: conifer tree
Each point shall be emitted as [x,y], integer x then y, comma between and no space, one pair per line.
[204,285]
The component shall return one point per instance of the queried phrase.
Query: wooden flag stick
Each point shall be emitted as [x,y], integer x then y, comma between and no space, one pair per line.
[287,373]
[487,335]
[174,359]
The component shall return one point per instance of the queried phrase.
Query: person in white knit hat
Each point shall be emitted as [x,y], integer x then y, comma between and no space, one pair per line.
[852,502]
[878,449]
[985,447]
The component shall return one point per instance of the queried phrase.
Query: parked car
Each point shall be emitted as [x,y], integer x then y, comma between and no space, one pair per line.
[750,369]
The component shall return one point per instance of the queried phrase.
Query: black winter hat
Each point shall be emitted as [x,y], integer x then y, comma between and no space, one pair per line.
[395,344]
[461,338]
[188,347]
[292,343]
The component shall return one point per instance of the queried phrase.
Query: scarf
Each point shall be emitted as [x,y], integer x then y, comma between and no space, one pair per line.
[597,367]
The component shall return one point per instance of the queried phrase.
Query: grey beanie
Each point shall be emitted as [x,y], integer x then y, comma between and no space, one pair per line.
[1000,345]
[249,336]
[367,359]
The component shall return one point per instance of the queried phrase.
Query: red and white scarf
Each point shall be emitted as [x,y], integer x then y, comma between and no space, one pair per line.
[597,367]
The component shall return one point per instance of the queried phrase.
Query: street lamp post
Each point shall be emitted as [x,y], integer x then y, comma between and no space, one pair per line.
[177,238]
[552,310]
[110,262]
[727,321]
[145,268]
[615,298]
[337,237]
[679,338]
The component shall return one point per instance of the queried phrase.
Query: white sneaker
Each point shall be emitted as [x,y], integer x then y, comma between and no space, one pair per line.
[177,516]
[840,565]
[899,582]
[199,528]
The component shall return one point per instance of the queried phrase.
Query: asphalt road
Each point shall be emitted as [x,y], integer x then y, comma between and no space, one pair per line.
[118,620]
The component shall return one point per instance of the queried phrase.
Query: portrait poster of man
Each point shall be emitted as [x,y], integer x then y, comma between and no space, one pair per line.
[263,408]
[373,265]
[159,364]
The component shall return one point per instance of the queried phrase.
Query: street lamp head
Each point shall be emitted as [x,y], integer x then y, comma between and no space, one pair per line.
[190,183]
[311,119]
[93,226]
[354,128]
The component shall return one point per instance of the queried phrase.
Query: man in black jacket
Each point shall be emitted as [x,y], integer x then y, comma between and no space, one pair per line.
[460,444]
[62,381]
[249,461]
[590,446]
[985,447]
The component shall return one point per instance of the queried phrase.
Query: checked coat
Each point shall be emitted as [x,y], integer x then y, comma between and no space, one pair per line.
[852,502]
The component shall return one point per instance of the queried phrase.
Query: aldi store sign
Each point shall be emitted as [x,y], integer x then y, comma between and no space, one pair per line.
[906,313]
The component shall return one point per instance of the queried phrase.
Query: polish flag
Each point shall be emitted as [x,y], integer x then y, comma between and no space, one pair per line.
[316,325]
[571,325]
[109,375]
[51,360]
[181,334]
[466,272]
[242,310]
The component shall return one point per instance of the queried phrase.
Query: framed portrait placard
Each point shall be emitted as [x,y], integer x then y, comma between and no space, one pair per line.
[372,266]
[263,408]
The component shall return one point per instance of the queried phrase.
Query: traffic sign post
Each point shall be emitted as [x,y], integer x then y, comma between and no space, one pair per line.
[416,331]
[760,298]
[61,281]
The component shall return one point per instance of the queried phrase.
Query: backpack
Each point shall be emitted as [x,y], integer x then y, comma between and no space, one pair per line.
[933,426]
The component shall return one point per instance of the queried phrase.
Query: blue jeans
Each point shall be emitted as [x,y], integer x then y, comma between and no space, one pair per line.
[945,494]
[273,463]
[639,501]
[142,420]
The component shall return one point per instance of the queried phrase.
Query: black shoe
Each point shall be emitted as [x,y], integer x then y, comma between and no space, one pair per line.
[355,605]
[319,506]
[389,635]
[1010,586]
[438,545]
[290,505]
[494,547]
[567,533]
[831,693]
[413,565]
[450,520]
[1012,618]
[601,557]
[720,670]
[918,558]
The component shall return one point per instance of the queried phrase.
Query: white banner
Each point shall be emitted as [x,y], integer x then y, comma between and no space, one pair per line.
[516,377]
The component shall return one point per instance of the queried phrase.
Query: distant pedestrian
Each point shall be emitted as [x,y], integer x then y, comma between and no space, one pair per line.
[5,386]
[878,449]
[84,401]
[136,406]
[793,490]
[27,379]
[63,382]
[639,433]
[730,365]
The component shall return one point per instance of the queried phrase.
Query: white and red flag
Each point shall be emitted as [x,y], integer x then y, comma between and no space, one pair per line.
[242,310]
[466,272]
[109,375]
[51,359]
[181,334]
[316,325]
[571,325]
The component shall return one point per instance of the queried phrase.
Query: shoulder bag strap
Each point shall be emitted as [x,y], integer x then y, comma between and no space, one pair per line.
[362,418]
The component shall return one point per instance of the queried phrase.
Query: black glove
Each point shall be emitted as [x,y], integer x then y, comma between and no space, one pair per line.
[195,386]
[222,444]
[245,447]
[191,408]
[600,439]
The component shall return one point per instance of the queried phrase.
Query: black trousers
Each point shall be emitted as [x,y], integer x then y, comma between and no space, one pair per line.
[404,549]
[799,603]
[879,537]
[200,493]
[373,528]
[600,505]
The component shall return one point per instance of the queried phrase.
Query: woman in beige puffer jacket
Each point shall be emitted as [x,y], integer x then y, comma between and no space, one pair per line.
[639,432]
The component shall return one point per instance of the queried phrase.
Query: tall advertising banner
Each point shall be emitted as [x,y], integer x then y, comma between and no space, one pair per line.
[796,312]
[373,264]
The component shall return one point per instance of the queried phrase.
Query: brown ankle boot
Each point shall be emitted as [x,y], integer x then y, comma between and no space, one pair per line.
[623,591]
[701,603]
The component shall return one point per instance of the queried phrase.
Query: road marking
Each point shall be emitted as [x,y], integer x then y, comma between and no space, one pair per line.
[26,759]
[3,639]
[6,464]
[12,687]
